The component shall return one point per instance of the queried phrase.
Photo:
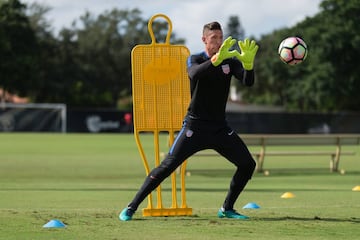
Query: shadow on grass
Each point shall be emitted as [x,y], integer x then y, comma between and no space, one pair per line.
[270,219]
[272,172]
[210,190]
[310,219]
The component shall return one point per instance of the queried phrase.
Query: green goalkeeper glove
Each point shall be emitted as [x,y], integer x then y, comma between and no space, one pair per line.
[248,52]
[224,52]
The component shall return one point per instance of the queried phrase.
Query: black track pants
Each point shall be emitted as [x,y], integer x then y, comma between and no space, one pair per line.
[196,136]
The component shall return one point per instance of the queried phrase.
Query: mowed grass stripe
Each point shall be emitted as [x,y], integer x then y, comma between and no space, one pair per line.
[86,179]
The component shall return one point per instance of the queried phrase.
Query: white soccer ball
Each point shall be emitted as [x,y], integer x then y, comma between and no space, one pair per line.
[292,50]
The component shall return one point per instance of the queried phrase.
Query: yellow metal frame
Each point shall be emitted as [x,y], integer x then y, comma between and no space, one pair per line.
[161,93]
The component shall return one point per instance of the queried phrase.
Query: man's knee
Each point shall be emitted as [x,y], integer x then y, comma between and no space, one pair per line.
[165,168]
[252,165]
[247,167]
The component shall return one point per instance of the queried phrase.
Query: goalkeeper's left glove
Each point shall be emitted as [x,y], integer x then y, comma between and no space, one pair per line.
[224,52]
[248,52]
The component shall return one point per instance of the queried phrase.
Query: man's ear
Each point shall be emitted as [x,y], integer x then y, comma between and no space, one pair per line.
[203,39]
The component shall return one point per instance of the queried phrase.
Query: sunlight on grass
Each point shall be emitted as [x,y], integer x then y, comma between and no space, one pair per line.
[85,180]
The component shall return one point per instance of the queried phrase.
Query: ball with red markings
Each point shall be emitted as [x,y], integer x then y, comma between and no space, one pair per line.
[292,50]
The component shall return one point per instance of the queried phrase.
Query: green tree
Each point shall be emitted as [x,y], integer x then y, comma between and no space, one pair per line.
[52,86]
[340,44]
[236,31]
[234,28]
[328,79]
[88,65]
[18,50]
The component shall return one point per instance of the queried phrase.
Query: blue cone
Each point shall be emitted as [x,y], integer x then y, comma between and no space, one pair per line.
[54,224]
[251,206]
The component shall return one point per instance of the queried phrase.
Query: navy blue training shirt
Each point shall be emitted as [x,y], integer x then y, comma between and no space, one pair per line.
[210,85]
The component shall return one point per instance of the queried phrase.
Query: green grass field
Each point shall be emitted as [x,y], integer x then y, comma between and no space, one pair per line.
[86,179]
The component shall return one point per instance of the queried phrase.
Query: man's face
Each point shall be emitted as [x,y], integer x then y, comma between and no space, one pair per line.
[212,40]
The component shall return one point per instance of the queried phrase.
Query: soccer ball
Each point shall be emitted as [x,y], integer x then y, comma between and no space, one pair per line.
[292,50]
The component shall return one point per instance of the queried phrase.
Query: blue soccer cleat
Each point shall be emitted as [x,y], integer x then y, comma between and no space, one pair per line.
[231,214]
[126,214]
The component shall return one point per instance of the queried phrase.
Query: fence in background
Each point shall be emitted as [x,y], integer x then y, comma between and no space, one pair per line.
[56,118]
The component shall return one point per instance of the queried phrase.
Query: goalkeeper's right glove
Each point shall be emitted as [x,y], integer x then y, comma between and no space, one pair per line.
[224,52]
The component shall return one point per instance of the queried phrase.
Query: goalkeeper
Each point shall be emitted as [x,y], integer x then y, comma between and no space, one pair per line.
[205,126]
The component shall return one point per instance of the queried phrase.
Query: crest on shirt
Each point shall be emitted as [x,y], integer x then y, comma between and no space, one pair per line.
[226,68]
[189,133]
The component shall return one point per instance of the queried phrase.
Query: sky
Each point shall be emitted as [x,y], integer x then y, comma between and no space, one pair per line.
[258,17]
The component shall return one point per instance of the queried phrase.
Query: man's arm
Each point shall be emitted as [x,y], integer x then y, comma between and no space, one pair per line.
[197,65]
[249,78]
[246,77]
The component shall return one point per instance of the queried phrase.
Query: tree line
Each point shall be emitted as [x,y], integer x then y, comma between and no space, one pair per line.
[329,79]
[88,64]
